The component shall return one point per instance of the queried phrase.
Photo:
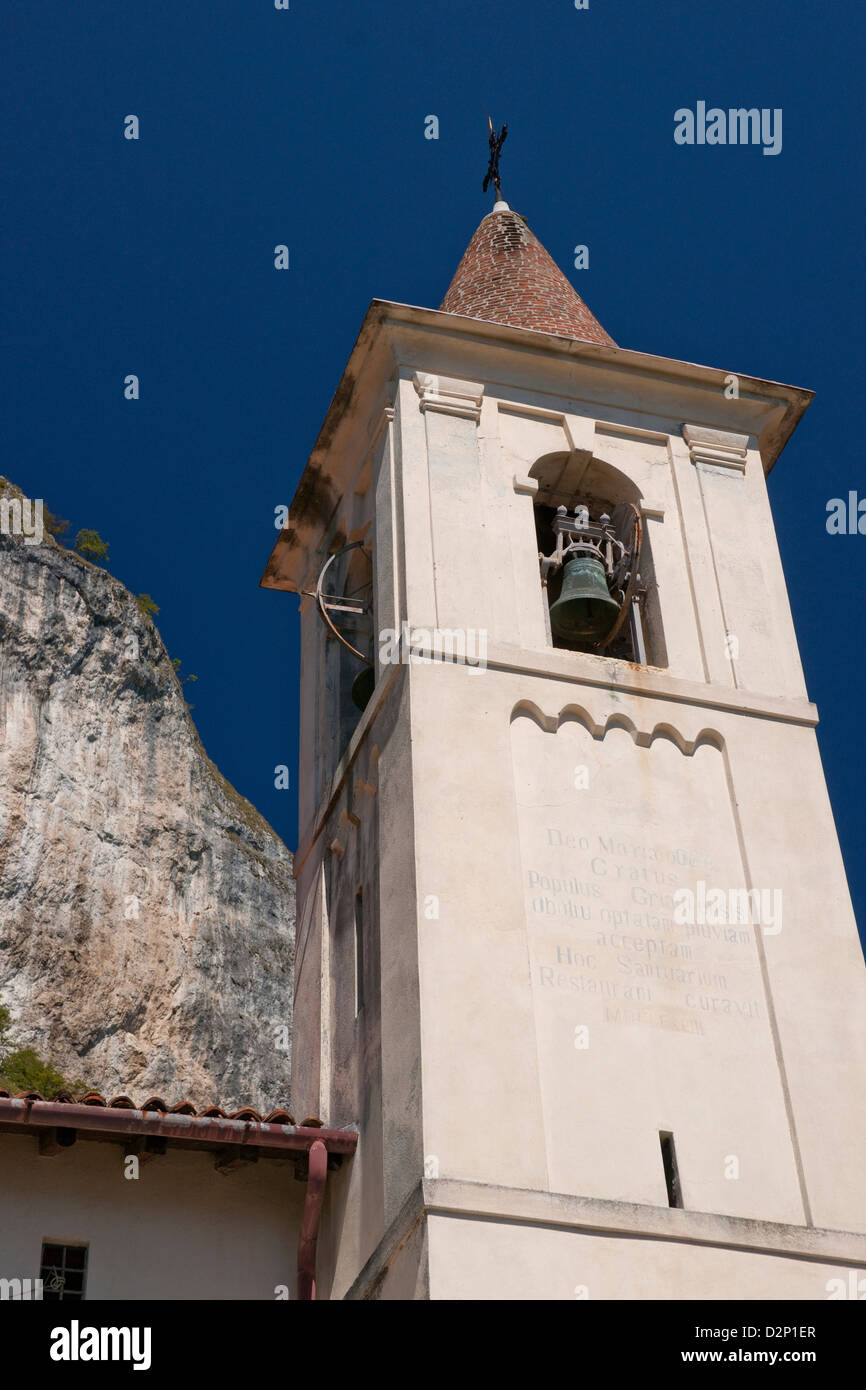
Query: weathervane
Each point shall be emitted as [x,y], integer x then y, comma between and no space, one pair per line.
[496,143]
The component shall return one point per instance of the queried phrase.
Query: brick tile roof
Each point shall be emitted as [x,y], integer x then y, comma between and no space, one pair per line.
[280,1116]
[93,1117]
[506,276]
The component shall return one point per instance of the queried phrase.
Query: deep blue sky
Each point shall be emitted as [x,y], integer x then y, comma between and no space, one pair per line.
[306,127]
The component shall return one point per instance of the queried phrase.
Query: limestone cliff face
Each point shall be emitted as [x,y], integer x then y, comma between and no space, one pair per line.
[147,911]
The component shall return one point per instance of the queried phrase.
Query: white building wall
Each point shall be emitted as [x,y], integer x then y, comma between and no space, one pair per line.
[179,1231]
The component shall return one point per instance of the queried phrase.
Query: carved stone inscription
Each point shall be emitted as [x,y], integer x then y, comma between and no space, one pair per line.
[643,1022]
[601,863]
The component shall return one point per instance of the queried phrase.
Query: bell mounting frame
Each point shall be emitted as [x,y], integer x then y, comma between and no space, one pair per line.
[344,603]
[614,540]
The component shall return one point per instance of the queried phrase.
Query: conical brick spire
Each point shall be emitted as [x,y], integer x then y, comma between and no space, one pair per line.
[506,276]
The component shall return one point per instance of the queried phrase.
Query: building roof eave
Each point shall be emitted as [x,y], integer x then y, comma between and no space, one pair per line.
[316,498]
[21,1115]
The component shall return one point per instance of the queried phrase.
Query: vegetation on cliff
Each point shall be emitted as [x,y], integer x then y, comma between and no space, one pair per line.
[21,1069]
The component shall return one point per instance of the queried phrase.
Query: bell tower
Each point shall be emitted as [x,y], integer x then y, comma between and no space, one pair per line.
[575,948]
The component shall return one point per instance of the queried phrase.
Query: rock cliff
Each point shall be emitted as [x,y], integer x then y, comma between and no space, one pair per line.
[147,911]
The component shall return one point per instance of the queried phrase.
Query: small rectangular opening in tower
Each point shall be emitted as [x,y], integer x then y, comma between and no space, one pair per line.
[359,952]
[672,1172]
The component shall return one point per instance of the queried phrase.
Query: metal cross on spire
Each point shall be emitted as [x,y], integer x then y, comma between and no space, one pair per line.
[496,142]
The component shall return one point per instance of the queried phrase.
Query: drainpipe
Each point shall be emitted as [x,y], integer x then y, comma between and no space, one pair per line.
[313,1203]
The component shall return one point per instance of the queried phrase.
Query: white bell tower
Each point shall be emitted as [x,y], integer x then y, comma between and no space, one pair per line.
[575,948]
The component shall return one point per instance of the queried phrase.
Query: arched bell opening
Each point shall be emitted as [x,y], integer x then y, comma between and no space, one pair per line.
[595,560]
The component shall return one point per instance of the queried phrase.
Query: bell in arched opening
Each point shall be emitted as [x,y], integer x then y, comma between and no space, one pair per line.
[585,610]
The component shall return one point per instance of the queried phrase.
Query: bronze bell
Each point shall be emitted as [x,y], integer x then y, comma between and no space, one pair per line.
[585,610]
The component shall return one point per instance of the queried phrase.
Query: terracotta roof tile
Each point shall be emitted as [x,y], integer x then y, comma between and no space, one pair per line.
[279,1116]
[506,276]
[155,1103]
[93,1117]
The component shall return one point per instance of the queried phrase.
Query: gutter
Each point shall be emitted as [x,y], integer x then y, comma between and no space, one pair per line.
[313,1202]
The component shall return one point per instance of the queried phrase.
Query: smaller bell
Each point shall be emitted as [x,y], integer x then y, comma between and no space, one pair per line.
[363,686]
[585,610]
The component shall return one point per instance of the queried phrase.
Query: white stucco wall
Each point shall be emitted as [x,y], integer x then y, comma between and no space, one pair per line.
[472,1259]
[179,1231]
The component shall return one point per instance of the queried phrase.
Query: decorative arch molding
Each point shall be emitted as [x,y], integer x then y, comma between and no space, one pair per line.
[565,474]
[644,738]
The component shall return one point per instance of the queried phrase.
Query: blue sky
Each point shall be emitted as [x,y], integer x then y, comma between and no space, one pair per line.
[306,127]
